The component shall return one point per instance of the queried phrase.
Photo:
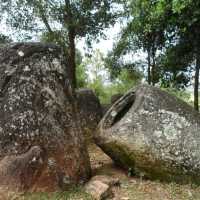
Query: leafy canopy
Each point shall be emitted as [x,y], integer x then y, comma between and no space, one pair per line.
[87,18]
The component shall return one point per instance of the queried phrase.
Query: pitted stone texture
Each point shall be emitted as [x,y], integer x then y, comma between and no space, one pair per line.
[21,171]
[90,111]
[37,110]
[153,134]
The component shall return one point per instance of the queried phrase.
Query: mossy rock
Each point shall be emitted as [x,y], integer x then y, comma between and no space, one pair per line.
[153,133]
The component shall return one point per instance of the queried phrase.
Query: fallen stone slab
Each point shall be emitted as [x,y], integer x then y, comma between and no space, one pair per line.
[100,187]
[153,134]
[98,190]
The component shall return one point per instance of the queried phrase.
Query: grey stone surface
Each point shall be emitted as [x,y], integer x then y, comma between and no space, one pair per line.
[153,134]
[90,111]
[22,171]
[37,109]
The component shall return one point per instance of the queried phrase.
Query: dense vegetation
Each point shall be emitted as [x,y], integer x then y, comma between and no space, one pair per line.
[165,32]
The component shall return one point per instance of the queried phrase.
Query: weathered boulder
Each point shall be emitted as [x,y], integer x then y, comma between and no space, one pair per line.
[90,111]
[153,134]
[41,142]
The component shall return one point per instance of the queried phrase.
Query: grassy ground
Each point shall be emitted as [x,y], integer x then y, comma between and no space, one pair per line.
[73,194]
[131,188]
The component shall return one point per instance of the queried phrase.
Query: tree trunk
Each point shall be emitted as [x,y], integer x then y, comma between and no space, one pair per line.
[72,59]
[149,67]
[153,68]
[196,84]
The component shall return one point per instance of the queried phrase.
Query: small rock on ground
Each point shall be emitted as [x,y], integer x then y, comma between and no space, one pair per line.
[100,186]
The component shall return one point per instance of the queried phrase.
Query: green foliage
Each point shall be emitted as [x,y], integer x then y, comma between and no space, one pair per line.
[97,74]
[100,89]
[121,84]
[80,71]
[98,78]
[175,66]
[145,30]
[181,94]
[147,23]
[81,76]
[179,5]
[58,17]
[126,80]
[4,39]
[184,21]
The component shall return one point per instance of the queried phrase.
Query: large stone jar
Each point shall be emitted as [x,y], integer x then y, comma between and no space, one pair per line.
[153,134]
[41,143]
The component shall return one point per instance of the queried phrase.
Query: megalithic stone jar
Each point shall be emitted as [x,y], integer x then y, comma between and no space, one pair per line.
[153,134]
[41,141]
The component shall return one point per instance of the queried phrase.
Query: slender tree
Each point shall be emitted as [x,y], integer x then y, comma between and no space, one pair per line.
[144,30]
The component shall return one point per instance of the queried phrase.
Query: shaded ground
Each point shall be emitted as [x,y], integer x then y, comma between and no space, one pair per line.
[131,188]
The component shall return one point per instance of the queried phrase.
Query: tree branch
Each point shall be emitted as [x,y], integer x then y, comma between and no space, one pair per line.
[46,23]
[44,18]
